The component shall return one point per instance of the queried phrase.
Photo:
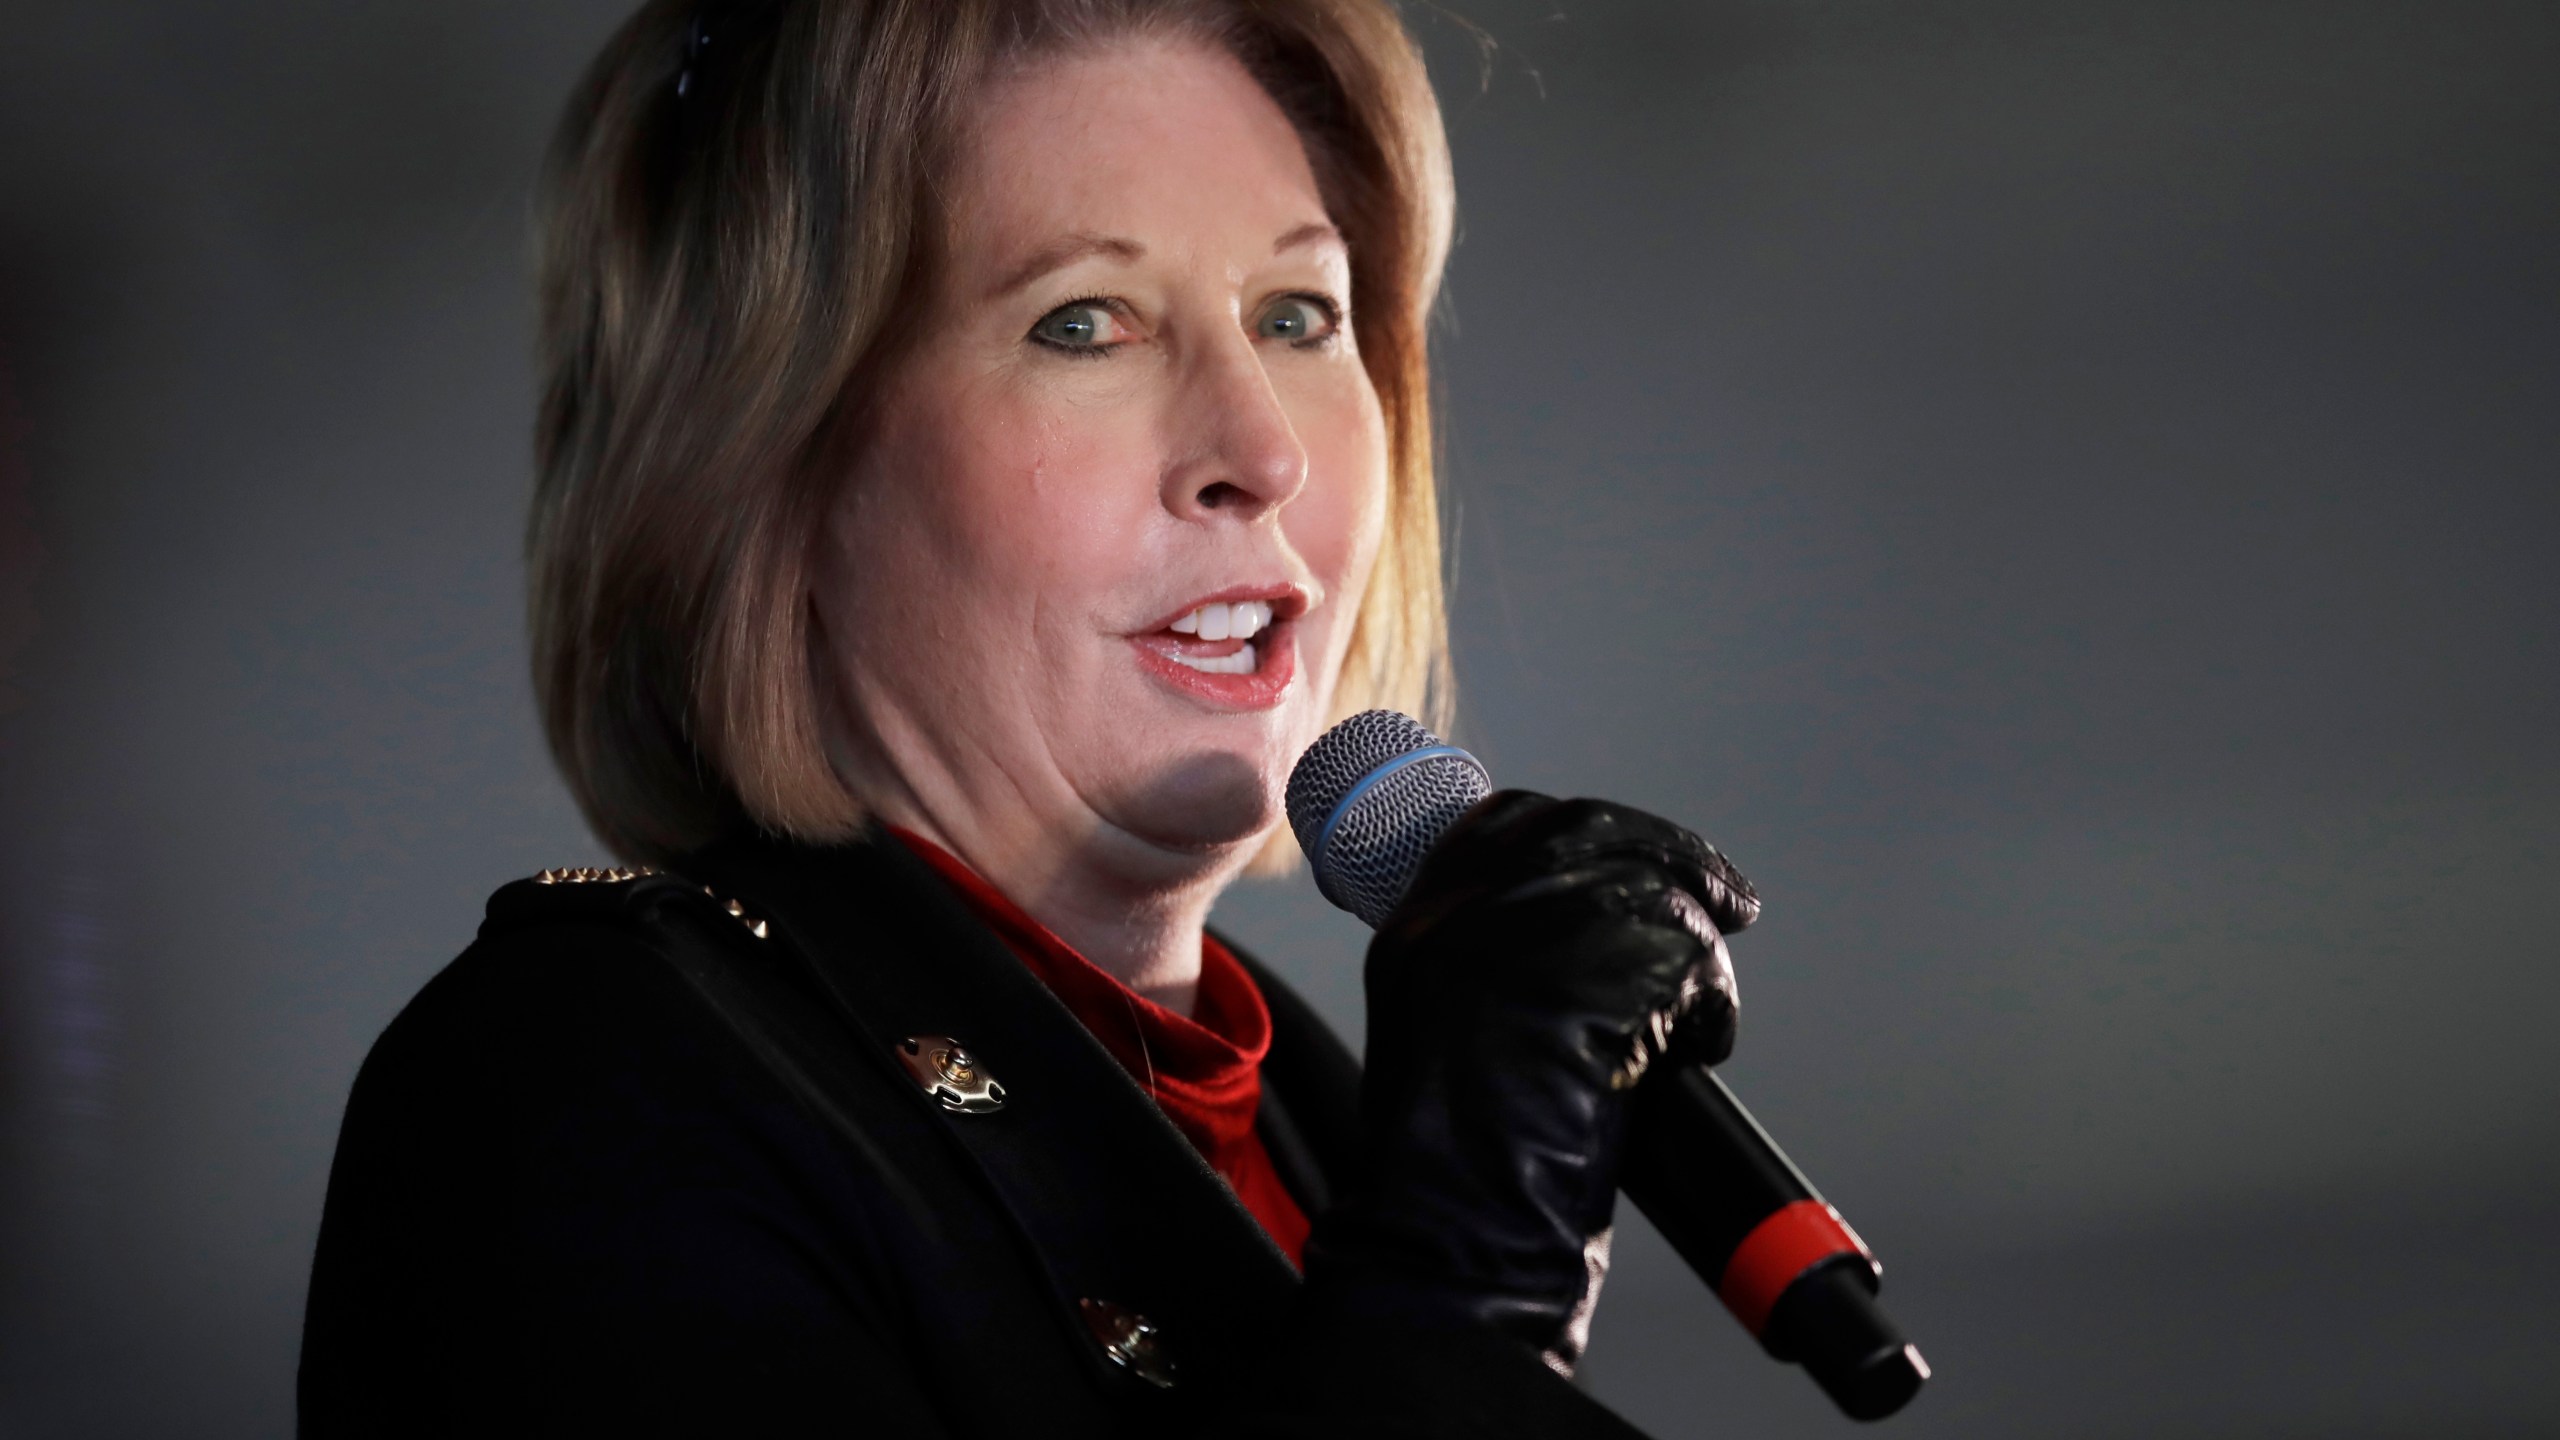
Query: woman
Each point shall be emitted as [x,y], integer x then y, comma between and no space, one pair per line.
[965,489]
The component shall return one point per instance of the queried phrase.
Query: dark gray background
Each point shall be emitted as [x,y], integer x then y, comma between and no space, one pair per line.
[2063,492]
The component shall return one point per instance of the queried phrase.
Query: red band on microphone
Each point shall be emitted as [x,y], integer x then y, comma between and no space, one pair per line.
[1793,1239]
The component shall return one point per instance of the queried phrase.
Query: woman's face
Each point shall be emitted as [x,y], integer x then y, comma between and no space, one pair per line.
[1094,573]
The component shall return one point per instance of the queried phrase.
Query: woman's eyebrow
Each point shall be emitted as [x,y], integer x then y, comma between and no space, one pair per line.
[1065,251]
[1068,249]
[1308,234]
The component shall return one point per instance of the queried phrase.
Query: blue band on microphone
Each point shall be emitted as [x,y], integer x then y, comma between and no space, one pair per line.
[1332,822]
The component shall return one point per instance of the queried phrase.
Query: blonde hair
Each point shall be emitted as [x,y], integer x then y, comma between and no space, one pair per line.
[737,197]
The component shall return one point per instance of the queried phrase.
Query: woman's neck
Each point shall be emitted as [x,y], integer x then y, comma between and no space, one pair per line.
[1132,909]
[1131,906]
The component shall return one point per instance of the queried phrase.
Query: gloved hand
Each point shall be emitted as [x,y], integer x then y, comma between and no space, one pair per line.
[1548,954]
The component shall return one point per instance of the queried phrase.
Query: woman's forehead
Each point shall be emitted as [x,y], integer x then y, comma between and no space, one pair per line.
[1122,153]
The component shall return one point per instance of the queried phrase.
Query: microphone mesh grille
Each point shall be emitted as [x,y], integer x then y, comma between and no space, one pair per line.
[1379,840]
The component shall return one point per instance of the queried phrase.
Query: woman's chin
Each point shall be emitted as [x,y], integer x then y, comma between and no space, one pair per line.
[1204,800]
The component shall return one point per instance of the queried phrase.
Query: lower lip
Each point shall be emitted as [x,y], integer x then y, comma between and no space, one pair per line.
[1276,664]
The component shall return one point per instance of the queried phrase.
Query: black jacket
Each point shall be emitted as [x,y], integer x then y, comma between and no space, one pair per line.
[648,1157]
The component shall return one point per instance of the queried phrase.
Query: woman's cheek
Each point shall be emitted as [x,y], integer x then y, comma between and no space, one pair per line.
[1344,518]
[1030,481]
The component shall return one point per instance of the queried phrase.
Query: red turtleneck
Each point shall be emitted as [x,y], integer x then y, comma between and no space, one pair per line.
[1205,1070]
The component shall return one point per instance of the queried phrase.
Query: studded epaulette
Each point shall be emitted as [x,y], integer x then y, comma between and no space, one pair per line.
[590,875]
[620,892]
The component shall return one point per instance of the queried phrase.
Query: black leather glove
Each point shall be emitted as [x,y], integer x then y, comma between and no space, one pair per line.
[1549,952]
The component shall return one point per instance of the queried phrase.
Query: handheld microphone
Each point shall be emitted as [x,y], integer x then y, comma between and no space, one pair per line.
[1368,801]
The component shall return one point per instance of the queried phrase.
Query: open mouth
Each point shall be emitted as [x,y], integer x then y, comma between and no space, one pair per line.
[1238,651]
[1219,638]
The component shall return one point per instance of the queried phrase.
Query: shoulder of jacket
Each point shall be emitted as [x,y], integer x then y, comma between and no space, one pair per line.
[619,897]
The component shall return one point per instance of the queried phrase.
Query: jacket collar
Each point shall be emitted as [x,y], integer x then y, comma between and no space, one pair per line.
[1113,1203]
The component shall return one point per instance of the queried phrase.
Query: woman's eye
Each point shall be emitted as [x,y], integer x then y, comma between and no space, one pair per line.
[1298,319]
[1081,325]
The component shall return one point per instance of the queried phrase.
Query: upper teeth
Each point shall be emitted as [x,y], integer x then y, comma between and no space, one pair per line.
[1240,621]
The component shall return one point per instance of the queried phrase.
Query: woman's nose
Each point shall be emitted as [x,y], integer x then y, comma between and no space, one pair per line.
[1240,453]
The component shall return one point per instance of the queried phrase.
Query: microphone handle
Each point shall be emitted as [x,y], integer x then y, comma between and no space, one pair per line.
[1750,1224]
